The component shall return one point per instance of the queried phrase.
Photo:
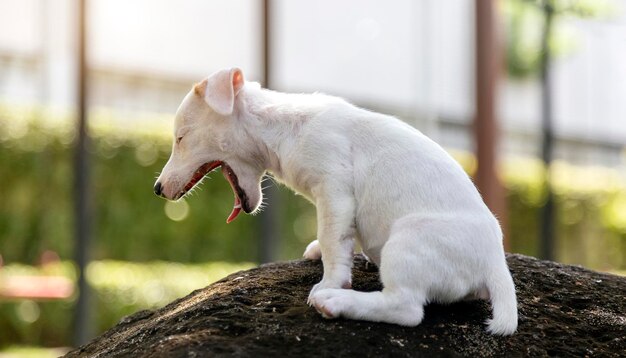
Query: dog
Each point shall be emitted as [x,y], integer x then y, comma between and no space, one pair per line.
[373,179]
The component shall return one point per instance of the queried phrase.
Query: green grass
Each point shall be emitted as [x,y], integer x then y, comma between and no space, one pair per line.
[31,352]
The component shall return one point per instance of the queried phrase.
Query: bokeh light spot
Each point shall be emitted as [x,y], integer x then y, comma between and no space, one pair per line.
[146,154]
[177,210]
[28,311]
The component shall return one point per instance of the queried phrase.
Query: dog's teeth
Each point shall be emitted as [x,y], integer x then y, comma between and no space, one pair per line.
[238,206]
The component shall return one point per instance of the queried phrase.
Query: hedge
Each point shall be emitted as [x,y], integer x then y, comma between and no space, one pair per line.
[130,223]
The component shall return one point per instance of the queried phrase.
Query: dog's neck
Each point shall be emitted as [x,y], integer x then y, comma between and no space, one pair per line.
[275,120]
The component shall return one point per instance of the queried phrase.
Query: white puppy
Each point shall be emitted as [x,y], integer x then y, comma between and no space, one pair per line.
[373,179]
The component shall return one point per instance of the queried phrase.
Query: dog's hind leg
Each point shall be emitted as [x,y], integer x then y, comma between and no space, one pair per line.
[425,259]
[403,308]
[403,297]
[313,251]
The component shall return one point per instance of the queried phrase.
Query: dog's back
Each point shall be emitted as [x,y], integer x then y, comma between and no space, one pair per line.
[417,213]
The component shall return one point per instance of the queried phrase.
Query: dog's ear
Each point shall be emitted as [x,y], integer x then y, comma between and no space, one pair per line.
[220,89]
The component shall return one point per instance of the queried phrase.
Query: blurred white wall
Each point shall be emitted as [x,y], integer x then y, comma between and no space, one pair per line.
[412,58]
[403,54]
[134,47]
[187,39]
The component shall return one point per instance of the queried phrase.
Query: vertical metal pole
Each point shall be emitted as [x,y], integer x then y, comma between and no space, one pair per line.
[269,220]
[485,124]
[547,211]
[82,213]
[266,56]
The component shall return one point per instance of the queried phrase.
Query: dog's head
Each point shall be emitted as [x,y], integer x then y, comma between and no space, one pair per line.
[208,134]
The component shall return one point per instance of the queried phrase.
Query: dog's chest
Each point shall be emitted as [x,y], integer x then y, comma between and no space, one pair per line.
[301,182]
[299,175]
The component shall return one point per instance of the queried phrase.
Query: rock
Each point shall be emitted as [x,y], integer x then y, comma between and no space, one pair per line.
[563,311]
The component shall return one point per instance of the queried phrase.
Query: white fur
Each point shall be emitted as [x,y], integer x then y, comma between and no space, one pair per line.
[374,180]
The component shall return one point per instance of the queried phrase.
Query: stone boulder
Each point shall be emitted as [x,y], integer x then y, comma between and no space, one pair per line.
[563,311]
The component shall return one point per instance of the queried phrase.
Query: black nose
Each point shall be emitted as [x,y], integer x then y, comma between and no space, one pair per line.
[157,188]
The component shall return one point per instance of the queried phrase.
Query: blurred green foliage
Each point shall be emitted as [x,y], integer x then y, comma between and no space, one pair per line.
[590,221]
[130,223]
[22,351]
[523,20]
[120,289]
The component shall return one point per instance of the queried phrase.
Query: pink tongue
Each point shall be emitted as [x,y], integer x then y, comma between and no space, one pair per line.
[236,210]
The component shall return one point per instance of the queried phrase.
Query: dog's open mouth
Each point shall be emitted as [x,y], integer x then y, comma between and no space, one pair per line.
[241,199]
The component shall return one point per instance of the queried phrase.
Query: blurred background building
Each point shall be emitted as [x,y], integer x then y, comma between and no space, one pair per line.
[413,59]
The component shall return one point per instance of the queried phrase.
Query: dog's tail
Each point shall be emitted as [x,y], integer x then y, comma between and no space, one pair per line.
[503,302]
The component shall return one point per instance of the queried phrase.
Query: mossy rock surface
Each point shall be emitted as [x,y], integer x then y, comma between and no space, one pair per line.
[563,311]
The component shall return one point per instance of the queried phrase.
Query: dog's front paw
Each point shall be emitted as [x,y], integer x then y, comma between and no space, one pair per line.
[330,303]
[327,284]
[313,251]
[317,287]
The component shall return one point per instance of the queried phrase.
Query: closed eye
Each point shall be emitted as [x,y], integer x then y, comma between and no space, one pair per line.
[179,139]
